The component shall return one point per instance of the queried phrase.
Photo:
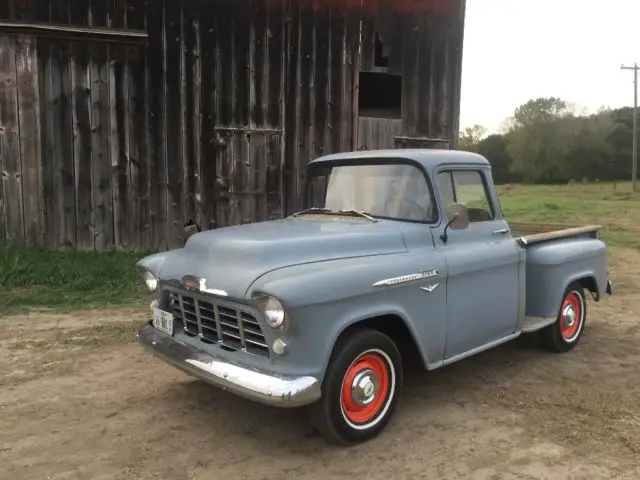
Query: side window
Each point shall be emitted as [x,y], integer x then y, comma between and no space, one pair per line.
[445,185]
[468,189]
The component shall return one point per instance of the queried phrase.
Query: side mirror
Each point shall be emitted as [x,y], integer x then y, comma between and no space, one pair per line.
[459,216]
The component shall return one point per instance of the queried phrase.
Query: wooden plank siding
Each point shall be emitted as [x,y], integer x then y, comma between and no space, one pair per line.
[11,205]
[424,48]
[122,119]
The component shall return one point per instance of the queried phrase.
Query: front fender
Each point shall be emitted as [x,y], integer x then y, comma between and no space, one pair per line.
[360,314]
[153,263]
[325,298]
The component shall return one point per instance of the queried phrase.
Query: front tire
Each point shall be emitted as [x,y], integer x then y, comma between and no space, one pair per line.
[565,333]
[361,389]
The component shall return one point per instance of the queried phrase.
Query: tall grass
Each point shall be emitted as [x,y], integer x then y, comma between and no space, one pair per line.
[36,278]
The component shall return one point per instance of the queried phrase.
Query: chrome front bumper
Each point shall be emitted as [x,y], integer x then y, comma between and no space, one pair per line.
[239,379]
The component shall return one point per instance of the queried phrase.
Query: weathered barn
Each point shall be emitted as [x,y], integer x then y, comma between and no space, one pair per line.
[121,119]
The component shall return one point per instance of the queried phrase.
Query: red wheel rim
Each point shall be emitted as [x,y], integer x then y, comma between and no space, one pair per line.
[571,316]
[364,388]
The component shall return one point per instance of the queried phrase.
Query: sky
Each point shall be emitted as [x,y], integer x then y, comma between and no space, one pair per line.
[516,50]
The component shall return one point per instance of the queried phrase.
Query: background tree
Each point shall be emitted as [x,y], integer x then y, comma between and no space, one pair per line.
[546,142]
[541,110]
[470,138]
[494,149]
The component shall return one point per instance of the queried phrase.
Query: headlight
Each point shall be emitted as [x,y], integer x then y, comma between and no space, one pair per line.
[272,309]
[150,280]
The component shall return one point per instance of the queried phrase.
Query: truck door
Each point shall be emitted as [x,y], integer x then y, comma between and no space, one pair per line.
[483,263]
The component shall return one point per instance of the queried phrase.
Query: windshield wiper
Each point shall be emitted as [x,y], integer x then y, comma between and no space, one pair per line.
[328,211]
[358,212]
[313,210]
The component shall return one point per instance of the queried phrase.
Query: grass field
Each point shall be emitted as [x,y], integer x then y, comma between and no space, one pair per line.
[37,279]
[612,205]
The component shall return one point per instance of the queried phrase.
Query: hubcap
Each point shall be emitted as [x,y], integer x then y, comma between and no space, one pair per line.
[569,316]
[364,387]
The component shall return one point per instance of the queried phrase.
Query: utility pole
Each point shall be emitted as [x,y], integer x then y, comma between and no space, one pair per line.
[634,168]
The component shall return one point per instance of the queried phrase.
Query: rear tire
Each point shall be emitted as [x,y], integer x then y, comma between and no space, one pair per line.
[361,389]
[565,333]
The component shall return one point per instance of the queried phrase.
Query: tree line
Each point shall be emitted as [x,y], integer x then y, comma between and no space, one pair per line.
[545,141]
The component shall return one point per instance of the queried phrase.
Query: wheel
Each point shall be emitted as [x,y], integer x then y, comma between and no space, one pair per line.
[564,334]
[362,385]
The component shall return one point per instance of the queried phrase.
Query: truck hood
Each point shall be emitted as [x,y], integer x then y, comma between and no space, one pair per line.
[232,258]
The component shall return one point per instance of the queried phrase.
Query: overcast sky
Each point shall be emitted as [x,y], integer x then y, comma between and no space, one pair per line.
[515,50]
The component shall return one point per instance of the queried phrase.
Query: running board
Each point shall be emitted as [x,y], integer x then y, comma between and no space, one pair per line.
[479,349]
[533,324]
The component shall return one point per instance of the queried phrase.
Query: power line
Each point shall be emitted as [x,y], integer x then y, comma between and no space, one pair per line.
[634,169]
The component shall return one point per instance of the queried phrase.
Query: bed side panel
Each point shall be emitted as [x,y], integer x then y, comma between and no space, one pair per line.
[552,266]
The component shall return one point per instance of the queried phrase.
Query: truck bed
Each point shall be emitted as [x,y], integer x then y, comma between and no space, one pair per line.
[529,233]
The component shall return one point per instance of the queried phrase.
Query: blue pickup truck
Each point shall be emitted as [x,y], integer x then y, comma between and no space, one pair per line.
[397,257]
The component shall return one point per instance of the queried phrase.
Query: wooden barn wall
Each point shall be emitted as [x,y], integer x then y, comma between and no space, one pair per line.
[378,133]
[107,145]
[424,46]
[322,68]
[80,175]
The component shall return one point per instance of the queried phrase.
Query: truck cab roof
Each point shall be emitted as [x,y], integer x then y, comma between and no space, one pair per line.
[428,158]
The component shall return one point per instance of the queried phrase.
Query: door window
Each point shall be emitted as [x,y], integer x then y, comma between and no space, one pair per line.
[466,187]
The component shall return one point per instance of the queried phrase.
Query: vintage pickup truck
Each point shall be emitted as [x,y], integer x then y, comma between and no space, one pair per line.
[397,256]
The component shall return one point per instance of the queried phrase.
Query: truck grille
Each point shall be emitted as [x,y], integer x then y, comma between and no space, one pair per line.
[216,323]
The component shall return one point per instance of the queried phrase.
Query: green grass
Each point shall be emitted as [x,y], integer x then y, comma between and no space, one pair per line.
[38,279]
[612,205]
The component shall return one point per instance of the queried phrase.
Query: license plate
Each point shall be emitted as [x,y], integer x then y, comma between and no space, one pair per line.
[163,321]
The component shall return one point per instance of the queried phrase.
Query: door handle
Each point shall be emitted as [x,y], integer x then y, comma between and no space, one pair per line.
[501,231]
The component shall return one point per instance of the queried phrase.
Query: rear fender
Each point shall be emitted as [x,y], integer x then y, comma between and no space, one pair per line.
[553,266]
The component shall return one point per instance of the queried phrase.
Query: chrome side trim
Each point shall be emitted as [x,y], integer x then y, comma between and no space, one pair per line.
[242,380]
[406,278]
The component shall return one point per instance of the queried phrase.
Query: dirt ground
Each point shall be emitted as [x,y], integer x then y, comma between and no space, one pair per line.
[80,399]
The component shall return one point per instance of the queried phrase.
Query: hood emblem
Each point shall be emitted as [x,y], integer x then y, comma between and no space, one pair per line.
[196,284]
[191,283]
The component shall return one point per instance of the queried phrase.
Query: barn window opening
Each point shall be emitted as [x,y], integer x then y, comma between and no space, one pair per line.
[380,56]
[380,95]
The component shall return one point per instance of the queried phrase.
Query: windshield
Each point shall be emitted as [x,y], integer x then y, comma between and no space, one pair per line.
[397,191]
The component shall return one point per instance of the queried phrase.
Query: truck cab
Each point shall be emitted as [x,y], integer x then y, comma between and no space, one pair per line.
[396,257]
